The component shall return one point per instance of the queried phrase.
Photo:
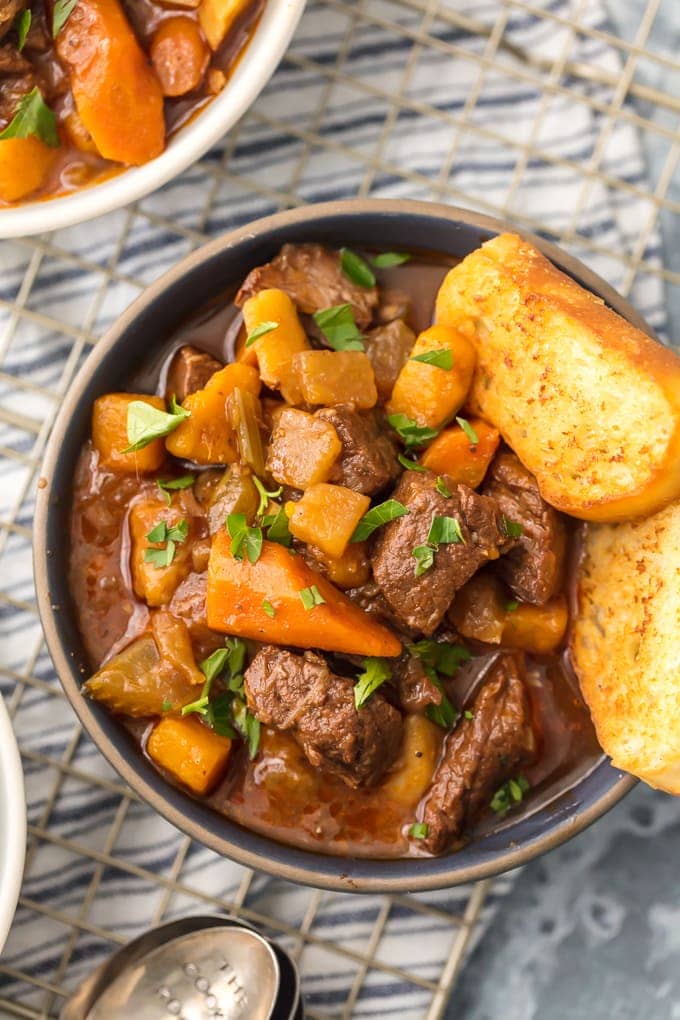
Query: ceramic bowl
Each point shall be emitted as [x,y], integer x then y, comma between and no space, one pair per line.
[12,823]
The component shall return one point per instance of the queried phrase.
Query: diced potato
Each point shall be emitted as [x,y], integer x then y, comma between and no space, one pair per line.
[24,165]
[135,683]
[330,378]
[453,454]
[302,450]
[388,348]
[284,772]
[156,584]
[428,394]
[412,772]
[193,754]
[174,645]
[207,437]
[327,516]
[350,570]
[274,350]
[110,438]
[537,629]
[479,609]
[217,17]
[235,493]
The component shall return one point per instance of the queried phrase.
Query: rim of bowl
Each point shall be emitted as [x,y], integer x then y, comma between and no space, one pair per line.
[308,867]
[256,66]
[12,823]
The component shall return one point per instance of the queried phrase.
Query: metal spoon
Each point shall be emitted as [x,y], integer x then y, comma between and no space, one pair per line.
[205,968]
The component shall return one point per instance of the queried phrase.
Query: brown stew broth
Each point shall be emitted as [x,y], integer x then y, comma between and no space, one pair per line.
[280,794]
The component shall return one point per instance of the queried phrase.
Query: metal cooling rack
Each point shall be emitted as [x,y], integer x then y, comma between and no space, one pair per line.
[418,31]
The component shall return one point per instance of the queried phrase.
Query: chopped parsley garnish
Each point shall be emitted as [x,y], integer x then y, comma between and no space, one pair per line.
[376,672]
[265,496]
[169,485]
[219,716]
[381,514]
[339,328]
[513,529]
[311,597]
[445,714]
[62,12]
[468,430]
[23,24]
[167,705]
[218,712]
[245,541]
[468,714]
[441,358]
[442,488]
[419,830]
[440,655]
[443,531]
[410,432]
[512,606]
[268,608]
[509,795]
[146,423]
[248,726]
[390,258]
[356,269]
[424,557]
[410,465]
[33,117]
[261,329]
[172,535]
[277,528]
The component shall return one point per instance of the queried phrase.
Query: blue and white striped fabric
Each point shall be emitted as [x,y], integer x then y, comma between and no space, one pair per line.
[416,153]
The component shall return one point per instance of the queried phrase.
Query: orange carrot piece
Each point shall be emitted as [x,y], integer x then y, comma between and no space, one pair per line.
[190,752]
[239,590]
[453,454]
[24,165]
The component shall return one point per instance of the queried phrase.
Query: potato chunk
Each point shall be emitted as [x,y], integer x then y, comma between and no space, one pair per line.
[110,438]
[350,570]
[193,754]
[326,516]
[330,378]
[24,165]
[454,454]
[426,393]
[274,350]
[413,770]
[216,18]
[156,584]
[303,449]
[538,629]
[207,437]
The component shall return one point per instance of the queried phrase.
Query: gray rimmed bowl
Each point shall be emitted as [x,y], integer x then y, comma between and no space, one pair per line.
[140,331]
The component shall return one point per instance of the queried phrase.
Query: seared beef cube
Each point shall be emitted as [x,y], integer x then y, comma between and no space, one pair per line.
[190,369]
[312,277]
[480,755]
[421,602]
[368,461]
[300,694]
[416,689]
[371,599]
[533,567]
[16,81]
[388,347]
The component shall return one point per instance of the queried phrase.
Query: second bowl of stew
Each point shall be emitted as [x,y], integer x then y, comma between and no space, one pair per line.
[311,608]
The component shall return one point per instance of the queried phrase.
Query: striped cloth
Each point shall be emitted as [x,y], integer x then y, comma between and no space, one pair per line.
[71,873]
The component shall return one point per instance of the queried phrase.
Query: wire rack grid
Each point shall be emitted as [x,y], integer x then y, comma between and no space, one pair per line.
[366,112]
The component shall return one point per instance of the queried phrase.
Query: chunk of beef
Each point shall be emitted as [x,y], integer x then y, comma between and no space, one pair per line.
[12,62]
[368,461]
[8,12]
[420,602]
[388,348]
[371,599]
[190,369]
[415,688]
[300,694]
[534,565]
[480,755]
[394,304]
[16,81]
[311,275]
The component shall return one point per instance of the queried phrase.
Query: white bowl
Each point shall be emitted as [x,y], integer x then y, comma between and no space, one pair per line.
[253,71]
[12,823]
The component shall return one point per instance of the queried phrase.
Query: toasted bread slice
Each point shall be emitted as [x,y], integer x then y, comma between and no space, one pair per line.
[589,403]
[625,643]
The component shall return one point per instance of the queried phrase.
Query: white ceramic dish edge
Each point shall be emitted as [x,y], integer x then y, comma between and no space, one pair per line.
[265,50]
[12,824]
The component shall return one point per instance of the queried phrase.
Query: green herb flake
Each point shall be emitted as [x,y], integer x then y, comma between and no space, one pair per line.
[62,12]
[512,606]
[410,432]
[376,672]
[268,608]
[339,328]
[277,528]
[218,715]
[376,517]
[248,726]
[419,830]
[146,423]
[261,329]
[441,656]
[265,496]
[168,485]
[509,795]
[512,529]
[468,430]
[445,714]
[22,25]
[214,664]
[424,557]
[33,118]
[311,597]
[244,539]
[167,705]
[441,358]
[386,259]
[442,488]
[356,269]
[468,714]
[410,465]
[160,557]
[158,533]
[443,531]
